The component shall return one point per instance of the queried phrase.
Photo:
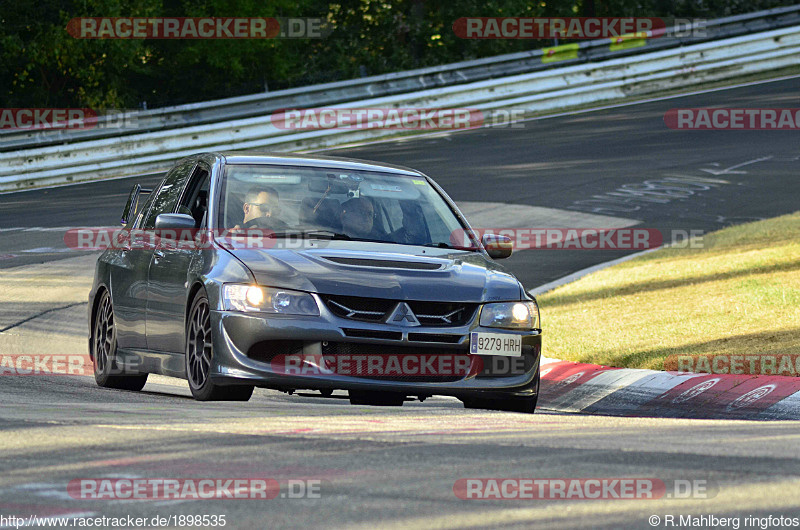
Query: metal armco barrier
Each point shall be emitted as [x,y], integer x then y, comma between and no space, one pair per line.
[635,74]
[409,81]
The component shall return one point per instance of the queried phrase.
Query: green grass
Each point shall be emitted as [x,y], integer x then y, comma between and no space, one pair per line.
[740,294]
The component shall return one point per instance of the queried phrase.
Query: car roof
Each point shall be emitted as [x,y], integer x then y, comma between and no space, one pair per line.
[256,158]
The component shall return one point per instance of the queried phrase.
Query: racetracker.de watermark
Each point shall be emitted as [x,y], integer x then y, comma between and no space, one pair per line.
[47,118]
[733,119]
[24,364]
[509,488]
[207,488]
[377,365]
[198,28]
[377,118]
[557,27]
[755,364]
[580,238]
[102,238]
[394,118]
[67,119]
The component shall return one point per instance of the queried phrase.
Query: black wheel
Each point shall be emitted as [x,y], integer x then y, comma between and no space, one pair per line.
[107,372]
[525,405]
[199,354]
[326,392]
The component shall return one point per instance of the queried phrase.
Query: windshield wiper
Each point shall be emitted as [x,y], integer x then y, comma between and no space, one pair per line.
[311,234]
[338,236]
[448,245]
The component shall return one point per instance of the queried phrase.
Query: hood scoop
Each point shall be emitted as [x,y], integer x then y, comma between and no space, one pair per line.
[385,263]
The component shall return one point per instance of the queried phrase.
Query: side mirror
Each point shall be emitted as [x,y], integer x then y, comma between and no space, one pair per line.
[174,221]
[498,247]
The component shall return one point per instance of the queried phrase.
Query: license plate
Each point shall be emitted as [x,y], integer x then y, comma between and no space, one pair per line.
[495,344]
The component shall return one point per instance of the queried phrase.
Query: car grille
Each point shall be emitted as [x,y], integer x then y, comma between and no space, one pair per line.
[354,308]
[435,337]
[398,335]
[373,334]
[379,309]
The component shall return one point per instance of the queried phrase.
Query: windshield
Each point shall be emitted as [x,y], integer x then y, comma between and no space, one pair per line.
[335,203]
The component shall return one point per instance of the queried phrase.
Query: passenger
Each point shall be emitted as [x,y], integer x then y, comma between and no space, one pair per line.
[358,219]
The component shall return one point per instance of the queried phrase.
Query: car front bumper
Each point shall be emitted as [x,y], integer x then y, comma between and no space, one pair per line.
[242,344]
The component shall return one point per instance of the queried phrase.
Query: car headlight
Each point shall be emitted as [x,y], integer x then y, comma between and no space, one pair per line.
[511,315]
[238,297]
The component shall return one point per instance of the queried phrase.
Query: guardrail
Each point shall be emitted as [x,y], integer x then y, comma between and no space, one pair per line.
[403,82]
[543,90]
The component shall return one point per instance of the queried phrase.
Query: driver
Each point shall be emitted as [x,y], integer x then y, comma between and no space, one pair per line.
[260,209]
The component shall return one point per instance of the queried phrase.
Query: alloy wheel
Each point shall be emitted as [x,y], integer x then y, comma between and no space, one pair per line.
[104,334]
[199,352]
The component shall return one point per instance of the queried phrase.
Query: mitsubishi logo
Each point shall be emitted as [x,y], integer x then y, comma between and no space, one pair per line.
[403,316]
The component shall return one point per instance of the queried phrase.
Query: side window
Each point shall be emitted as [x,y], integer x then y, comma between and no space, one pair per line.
[194,200]
[167,197]
[140,215]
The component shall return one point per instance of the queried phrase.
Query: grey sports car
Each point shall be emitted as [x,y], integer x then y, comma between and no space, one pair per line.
[311,273]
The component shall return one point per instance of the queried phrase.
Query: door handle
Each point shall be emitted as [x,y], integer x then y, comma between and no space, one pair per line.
[159,253]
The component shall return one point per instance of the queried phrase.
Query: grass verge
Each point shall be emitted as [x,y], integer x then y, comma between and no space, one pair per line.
[739,294]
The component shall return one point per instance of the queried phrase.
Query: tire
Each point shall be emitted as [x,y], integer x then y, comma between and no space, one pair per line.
[199,356]
[107,373]
[526,405]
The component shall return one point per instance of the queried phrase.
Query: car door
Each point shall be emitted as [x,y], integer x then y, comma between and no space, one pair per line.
[167,286]
[128,280]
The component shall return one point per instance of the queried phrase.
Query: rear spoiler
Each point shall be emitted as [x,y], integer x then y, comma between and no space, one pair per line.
[132,206]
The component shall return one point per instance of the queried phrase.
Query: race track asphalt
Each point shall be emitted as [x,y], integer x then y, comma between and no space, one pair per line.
[396,467]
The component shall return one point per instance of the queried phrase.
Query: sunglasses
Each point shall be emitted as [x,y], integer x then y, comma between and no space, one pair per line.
[262,205]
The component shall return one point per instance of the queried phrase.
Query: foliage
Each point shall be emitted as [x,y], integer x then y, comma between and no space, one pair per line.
[41,65]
